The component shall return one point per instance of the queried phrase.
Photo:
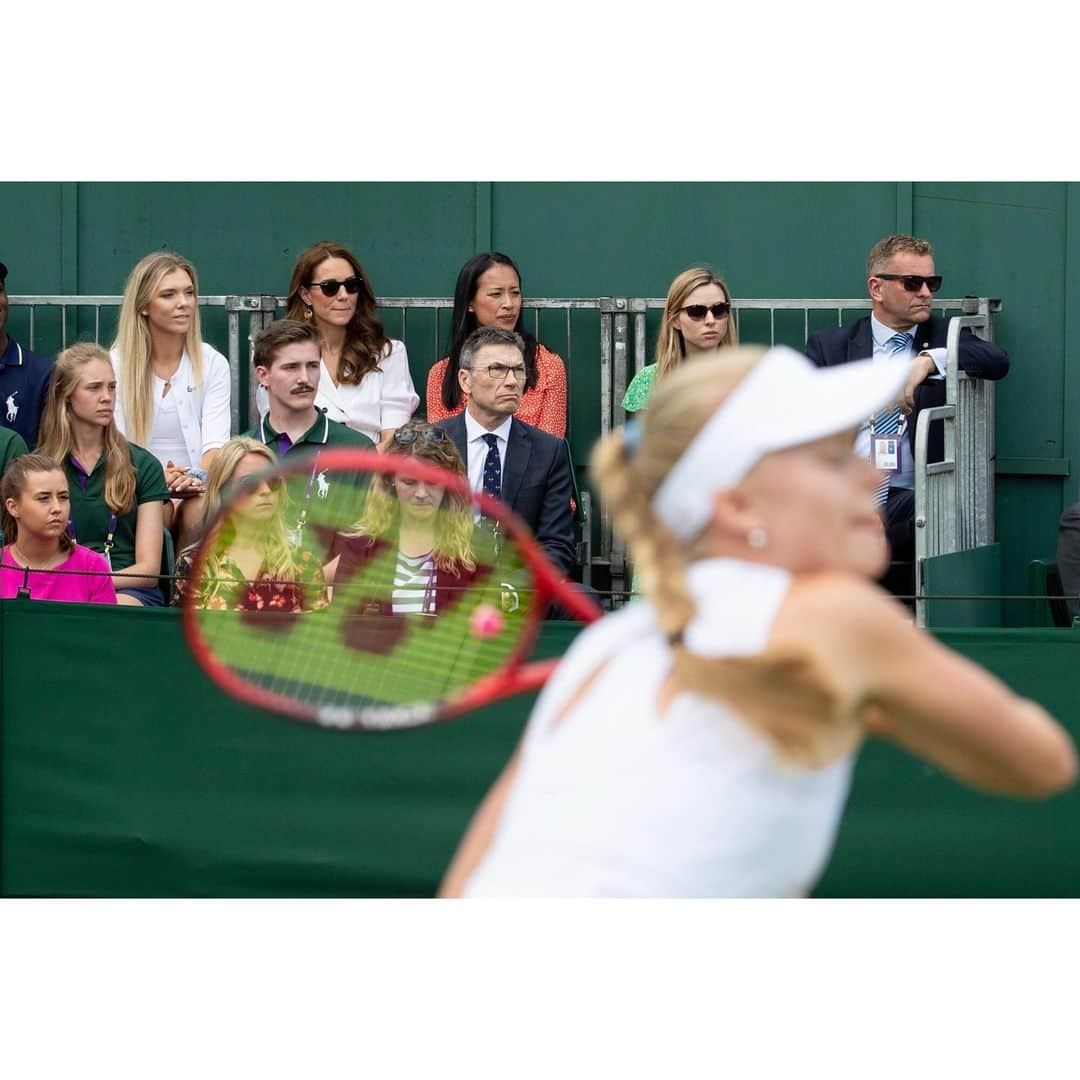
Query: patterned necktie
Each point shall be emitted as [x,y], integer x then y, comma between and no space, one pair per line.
[492,468]
[888,422]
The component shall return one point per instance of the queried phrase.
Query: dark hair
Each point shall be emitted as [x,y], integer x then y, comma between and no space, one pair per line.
[464,323]
[366,342]
[13,485]
[487,335]
[277,335]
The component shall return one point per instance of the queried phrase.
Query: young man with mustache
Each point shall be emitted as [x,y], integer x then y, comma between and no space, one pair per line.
[287,363]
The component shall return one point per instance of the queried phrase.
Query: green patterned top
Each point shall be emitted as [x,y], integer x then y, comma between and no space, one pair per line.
[637,393]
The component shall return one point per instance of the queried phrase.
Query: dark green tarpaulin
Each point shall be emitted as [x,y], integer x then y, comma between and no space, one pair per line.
[125,773]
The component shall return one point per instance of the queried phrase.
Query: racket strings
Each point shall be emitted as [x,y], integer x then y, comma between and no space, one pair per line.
[354,652]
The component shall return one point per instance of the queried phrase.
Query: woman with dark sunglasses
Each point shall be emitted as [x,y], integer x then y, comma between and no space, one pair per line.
[697,321]
[365,380]
[488,293]
[252,565]
[430,527]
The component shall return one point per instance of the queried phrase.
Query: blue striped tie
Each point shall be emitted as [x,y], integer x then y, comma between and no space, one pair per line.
[888,422]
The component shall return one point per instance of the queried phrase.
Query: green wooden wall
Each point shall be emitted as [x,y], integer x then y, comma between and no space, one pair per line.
[138,777]
[1018,241]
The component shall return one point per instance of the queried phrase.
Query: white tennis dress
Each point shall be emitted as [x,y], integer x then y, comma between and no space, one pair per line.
[617,801]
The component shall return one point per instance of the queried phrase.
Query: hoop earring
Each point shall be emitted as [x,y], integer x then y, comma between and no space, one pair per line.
[757,538]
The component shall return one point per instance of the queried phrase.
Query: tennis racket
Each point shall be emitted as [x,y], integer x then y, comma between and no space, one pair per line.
[369,592]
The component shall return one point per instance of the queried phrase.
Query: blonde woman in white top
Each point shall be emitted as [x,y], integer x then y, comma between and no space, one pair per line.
[173,389]
[700,741]
[364,379]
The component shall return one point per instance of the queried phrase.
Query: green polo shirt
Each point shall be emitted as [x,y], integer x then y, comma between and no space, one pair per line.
[12,445]
[324,432]
[90,513]
[322,499]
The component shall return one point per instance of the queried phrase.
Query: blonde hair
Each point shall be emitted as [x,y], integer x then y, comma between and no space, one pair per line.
[277,552]
[56,440]
[452,542]
[881,254]
[670,347]
[133,344]
[12,486]
[787,696]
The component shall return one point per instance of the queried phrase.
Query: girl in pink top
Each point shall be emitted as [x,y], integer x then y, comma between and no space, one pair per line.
[39,560]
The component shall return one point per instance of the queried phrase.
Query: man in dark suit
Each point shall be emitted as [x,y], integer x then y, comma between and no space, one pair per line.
[24,378]
[528,469]
[901,280]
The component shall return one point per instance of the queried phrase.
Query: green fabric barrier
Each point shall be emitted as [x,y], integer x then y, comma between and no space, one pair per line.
[975,572]
[124,772]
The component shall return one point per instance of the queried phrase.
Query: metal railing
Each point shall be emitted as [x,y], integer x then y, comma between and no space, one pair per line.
[616,347]
[954,498]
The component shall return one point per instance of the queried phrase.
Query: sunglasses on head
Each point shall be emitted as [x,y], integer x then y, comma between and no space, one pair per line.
[697,312]
[331,286]
[914,282]
[429,436]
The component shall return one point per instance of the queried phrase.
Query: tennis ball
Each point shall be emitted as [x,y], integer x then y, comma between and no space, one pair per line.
[486,621]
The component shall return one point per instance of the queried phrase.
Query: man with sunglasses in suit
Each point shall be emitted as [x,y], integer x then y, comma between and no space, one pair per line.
[901,280]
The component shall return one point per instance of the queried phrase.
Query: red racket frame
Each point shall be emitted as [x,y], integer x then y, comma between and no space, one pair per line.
[515,676]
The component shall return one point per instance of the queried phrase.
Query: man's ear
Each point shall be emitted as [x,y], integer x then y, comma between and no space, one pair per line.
[261,373]
[464,378]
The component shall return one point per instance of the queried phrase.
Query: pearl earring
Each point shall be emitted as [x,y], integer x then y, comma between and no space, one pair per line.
[757,538]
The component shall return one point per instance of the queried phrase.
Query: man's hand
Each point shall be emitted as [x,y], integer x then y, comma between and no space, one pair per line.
[922,366]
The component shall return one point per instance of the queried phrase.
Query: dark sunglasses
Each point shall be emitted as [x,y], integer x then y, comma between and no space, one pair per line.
[914,282]
[248,485]
[331,286]
[697,312]
[428,436]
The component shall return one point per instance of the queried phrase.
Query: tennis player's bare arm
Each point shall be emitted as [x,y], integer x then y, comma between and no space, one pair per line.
[930,700]
[478,835]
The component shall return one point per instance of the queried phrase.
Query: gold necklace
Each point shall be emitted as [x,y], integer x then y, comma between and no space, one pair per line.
[24,561]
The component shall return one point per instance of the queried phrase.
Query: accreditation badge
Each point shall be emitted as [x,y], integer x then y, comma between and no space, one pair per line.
[885,453]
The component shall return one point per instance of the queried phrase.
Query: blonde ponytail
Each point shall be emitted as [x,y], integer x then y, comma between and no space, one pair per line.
[789,697]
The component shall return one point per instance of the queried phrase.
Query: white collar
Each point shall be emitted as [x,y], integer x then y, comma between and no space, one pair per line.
[883,334]
[474,430]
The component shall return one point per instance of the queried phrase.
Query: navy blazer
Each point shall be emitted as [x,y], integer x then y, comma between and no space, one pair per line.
[536,485]
[984,359]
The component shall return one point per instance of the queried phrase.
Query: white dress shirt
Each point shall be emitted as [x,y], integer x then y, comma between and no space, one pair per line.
[478,449]
[881,333]
[203,410]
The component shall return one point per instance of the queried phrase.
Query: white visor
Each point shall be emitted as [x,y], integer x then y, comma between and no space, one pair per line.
[783,401]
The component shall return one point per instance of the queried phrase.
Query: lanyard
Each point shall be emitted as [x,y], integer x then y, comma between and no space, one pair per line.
[428,607]
[301,520]
[110,540]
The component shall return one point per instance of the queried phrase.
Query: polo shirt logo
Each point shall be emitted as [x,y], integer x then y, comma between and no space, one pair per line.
[322,485]
[12,408]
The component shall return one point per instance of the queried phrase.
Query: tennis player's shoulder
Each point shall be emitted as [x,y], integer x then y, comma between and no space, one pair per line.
[840,605]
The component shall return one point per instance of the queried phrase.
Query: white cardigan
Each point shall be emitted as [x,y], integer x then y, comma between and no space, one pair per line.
[385,398]
[203,410]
